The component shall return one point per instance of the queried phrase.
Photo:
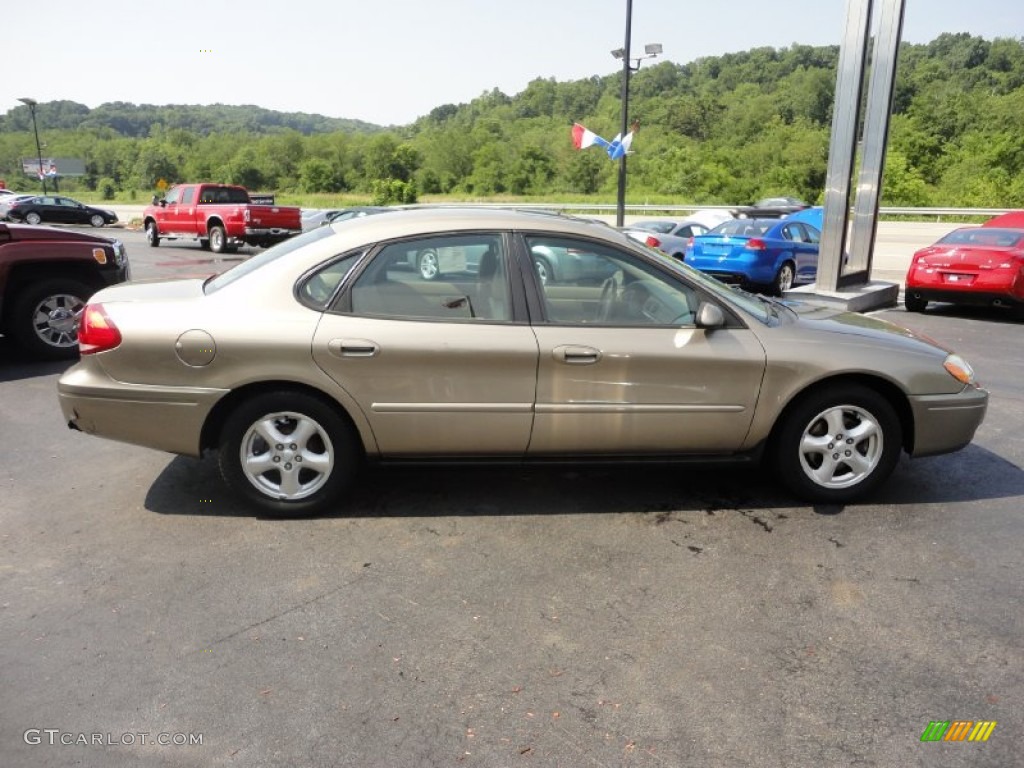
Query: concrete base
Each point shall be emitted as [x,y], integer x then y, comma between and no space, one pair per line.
[863,298]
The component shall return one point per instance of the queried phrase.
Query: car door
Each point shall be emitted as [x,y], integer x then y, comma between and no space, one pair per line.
[807,264]
[49,210]
[439,367]
[623,369]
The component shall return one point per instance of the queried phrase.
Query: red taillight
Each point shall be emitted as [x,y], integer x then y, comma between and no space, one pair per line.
[96,331]
[756,244]
[689,243]
[652,241]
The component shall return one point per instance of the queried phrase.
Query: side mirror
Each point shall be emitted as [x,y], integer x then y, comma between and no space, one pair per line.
[710,316]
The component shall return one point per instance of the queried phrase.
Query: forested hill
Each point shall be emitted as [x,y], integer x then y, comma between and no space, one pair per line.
[725,129]
[136,120]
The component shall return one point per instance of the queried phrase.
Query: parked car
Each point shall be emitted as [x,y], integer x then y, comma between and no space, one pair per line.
[54,209]
[760,254]
[668,235]
[8,201]
[980,266]
[771,208]
[326,351]
[46,277]
[221,217]
[311,219]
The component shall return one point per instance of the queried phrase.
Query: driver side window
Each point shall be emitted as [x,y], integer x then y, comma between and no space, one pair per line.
[584,283]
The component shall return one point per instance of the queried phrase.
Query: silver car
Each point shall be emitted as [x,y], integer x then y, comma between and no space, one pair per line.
[329,350]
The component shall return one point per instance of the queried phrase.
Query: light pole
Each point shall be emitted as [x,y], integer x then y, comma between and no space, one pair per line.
[650,51]
[32,104]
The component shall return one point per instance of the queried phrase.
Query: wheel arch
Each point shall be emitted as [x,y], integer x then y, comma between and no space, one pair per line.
[887,389]
[215,221]
[209,437]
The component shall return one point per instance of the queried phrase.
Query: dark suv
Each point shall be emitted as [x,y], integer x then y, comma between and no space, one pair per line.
[46,277]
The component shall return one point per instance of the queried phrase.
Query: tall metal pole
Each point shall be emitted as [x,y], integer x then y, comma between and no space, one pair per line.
[31,104]
[620,206]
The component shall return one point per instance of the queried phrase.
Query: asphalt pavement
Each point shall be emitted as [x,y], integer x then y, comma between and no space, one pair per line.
[550,617]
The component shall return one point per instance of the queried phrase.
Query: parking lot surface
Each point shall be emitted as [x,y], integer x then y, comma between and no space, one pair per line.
[556,617]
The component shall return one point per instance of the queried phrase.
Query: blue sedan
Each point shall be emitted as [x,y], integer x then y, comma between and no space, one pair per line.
[759,254]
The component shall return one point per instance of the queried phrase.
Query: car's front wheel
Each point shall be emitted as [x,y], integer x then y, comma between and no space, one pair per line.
[44,318]
[289,453]
[96,220]
[152,234]
[838,444]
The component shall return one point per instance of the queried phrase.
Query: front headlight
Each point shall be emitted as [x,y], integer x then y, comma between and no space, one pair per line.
[959,369]
[119,253]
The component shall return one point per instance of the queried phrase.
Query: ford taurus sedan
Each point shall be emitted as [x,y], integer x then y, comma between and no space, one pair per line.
[329,350]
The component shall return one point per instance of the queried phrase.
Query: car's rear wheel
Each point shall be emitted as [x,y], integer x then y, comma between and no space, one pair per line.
[914,302]
[543,269]
[838,444]
[33,218]
[783,279]
[152,234]
[218,239]
[44,318]
[289,453]
[428,264]
[96,220]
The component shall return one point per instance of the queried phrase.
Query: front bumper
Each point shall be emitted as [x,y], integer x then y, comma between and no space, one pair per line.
[165,418]
[946,423]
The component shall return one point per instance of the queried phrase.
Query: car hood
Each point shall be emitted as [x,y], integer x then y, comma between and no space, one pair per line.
[838,321]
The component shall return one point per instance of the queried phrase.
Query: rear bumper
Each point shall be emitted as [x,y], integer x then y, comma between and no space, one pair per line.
[972,298]
[165,418]
[271,232]
[946,423]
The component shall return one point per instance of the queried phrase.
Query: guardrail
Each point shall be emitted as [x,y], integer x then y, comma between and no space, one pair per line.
[651,209]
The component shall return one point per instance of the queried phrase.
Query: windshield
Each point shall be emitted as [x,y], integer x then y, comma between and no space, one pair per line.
[744,227]
[661,227]
[269,255]
[984,237]
[754,305]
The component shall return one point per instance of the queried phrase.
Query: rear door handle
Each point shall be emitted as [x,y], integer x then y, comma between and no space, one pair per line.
[576,355]
[353,348]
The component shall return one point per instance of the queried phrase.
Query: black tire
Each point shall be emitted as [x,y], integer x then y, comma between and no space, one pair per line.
[784,278]
[218,239]
[97,221]
[33,218]
[152,234]
[914,303]
[331,440]
[44,318]
[820,466]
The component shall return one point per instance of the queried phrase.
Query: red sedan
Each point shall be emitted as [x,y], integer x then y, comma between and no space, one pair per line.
[980,266]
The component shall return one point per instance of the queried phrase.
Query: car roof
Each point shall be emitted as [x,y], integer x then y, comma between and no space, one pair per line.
[1011,220]
[409,222]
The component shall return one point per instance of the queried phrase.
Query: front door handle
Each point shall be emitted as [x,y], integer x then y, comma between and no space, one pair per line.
[576,355]
[353,348]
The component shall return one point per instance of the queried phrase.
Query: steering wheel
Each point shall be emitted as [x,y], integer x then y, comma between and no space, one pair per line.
[609,291]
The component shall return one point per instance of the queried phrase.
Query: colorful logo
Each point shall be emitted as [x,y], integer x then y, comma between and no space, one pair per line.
[958,730]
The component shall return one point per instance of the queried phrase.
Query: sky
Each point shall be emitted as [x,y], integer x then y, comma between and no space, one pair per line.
[389,62]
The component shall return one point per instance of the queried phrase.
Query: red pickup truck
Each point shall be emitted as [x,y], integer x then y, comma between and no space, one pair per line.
[219,216]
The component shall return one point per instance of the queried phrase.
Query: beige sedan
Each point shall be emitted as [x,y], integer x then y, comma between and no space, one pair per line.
[333,349]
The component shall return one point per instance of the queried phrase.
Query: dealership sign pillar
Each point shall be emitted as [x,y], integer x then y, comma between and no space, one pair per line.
[844,263]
